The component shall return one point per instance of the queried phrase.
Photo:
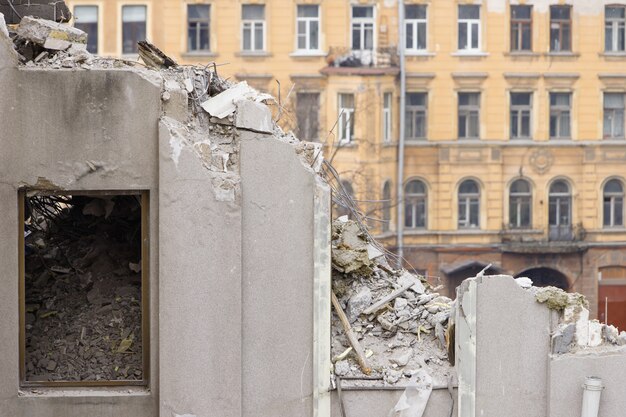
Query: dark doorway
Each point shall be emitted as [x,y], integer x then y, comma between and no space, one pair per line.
[468,270]
[544,277]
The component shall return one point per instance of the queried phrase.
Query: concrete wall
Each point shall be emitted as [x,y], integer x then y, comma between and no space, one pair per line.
[378,403]
[238,259]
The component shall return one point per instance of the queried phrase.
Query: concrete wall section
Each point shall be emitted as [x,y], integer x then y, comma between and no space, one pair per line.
[567,376]
[73,131]
[379,403]
[278,255]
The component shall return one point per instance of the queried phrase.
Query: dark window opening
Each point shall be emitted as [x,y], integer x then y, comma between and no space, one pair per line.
[133,27]
[521,28]
[545,277]
[307,114]
[560,29]
[198,27]
[83,273]
[86,19]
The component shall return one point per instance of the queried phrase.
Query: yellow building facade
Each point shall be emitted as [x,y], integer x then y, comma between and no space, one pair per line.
[511,114]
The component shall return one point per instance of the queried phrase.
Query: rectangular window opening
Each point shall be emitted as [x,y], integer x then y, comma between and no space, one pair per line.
[346,118]
[469,28]
[307,114]
[133,27]
[416,27]
[198,27]
[308,27]
[86,19]
[521,28]
[416,115]
[83,288]
[362,28]
[560,29]
[615,28]
[560,113]
[253,27]
[469,116]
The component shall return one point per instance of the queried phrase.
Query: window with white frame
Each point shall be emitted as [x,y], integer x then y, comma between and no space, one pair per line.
[387,123]
[308,26]
[363,24]
[469,28]
[469,205]
[520,204]
[521,111]
[416,27]
[415,203]
[469,115]
[560,28]
[198,27]
[346,117]
[86,19]
[415,115]
[253,27]
[613,125]
[560,115]
[615,29]
[613,204]
[133,27]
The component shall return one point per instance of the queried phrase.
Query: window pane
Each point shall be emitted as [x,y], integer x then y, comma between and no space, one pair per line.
[614,12]
[469,12]
[475,36]
[559,99]
[608,37]
[559,187]
[525,124]
[356,36]
[468,187]
[347,101]
[134,13]
[566,37]
[613,186]
[198,11]
[247,36]
[614,101]
[526,37]
[308,11]
[415,11]
[618,212]
[520,99]
[520,186]
[559,12]
[462,126]
[514,124]
[463,36]
[253,12]
[525,212]
[474,212]
[369,36]
[473,130]
[409,35]
[421,36]
[520,12]
[86,14]
[416,99]
[307,114]
[86,19]
[420,124]
[565,125]
[258,37]
[362,11]
[314,40]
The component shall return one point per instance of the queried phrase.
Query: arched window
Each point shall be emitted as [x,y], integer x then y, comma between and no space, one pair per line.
[386,206]
[520,199]
[469,204]
[560,204]
[613,205]
[415,204]
[342,202]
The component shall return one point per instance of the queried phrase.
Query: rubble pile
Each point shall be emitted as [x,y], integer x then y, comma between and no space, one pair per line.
[83,289]
[575,332]
[399,321]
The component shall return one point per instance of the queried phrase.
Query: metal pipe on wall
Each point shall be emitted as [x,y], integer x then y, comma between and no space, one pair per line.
[400,179]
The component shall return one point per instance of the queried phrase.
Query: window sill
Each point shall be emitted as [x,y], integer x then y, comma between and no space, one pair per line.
[346,144]
[608,229]
[415,53]
[470,54]
[612,54]
[253,54]
[199,54]
[390,143]
[65,392]
[562,54]
[308,54]
[522,54]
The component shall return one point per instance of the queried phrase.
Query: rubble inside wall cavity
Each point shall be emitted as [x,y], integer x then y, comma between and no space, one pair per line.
[400,322]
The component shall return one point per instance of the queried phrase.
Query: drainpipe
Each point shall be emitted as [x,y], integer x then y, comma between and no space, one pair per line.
[592,389]
[400,180]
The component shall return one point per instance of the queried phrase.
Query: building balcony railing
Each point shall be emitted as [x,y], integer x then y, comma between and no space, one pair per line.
[344,57]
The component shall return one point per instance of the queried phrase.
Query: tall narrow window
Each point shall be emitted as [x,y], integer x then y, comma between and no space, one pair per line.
[416,27]
[133,27]
[344,202]
[521,28]
[307,114]
[387,123]
[415,116]
[469,115]
[198,27]
[615,28]
[520,200]
[86,19]
[346,117]
[521,106]
[469,205]
[415,199]
[613,204]
[253,27]
[362,28]
[308,25]
[560,110]
[560,202]
[613,116]
[386,206]
[560,29]
[469,28]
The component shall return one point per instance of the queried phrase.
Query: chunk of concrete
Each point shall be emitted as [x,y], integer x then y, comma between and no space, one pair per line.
[563,338]
[358,302]
[3,26]
[253,116]
[223,104]
[50,35]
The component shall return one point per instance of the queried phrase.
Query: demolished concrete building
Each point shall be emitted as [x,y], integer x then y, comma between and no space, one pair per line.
[234,268]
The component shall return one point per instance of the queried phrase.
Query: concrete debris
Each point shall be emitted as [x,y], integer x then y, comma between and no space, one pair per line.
[44,9]
[3,26]
[524,282]
[253,116]
[223,104]
[401,321]
[413,401]
[557,299]
[50,35]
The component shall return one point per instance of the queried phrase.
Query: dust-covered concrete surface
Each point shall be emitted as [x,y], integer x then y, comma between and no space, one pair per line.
[230,288]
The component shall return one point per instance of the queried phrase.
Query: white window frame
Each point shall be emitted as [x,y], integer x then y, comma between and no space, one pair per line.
[251,24]
[198,30]
[617,25]
[414,24]
[307,32]
[346,119]
[387,112]
[362,22]
[469,23]
[612,110]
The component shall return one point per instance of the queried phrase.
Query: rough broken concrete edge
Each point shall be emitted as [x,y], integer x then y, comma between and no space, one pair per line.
[465,346]
[321,306]
[177,134]
[7,44]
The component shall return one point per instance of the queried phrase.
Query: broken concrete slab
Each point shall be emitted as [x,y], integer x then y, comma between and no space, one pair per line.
[14,10]
[223,104]
[3,26]
[253,116]
[50,35]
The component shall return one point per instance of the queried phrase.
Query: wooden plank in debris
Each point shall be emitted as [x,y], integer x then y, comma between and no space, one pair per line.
[377,305]
[360,355]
